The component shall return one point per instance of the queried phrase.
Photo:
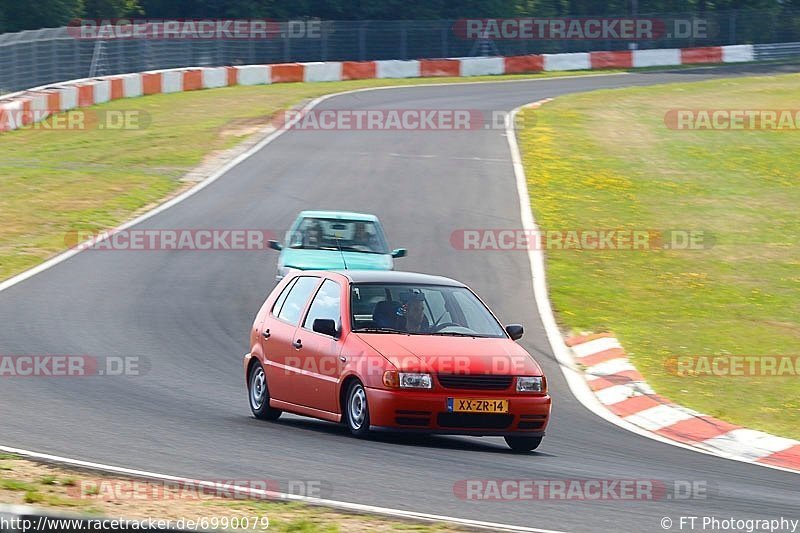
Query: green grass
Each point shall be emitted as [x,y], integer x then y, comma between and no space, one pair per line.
[16,485]
[607,160]
[55,182]
[34,497]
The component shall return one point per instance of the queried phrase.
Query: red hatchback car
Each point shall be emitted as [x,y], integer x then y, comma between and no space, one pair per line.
[397,351]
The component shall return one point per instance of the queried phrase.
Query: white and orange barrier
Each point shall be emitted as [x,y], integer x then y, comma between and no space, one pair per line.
[24,108]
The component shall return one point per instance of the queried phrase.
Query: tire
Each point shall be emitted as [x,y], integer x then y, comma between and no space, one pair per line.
[523,444]
[258,394]
[356,410]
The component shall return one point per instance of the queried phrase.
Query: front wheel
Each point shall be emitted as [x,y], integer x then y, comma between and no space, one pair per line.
[523,444]
[258,392]
[356,410]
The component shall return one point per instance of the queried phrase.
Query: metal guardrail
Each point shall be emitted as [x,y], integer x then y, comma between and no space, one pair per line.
[769,52]
[39,57]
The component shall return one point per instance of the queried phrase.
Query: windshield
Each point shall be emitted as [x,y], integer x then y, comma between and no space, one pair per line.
[331,234]
[420,309]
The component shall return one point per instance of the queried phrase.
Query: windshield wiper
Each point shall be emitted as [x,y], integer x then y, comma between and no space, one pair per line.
[385,330]
[456,334]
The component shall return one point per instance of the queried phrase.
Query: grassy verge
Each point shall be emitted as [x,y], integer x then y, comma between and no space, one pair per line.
[607,160]
[63,491]
[56,181]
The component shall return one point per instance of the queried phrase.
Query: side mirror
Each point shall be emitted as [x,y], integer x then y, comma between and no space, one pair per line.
[326,326]
[515,331]
[400,252]
[275,245]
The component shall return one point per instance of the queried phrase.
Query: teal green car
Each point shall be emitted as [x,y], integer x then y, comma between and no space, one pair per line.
[335,240]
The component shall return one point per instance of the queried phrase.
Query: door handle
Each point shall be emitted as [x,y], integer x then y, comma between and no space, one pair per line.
[298,344]
[266,334]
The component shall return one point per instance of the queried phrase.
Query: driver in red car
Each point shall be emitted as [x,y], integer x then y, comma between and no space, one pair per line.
[412,313]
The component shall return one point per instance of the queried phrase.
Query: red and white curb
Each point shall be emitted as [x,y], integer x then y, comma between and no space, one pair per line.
[621,388]
[24,108]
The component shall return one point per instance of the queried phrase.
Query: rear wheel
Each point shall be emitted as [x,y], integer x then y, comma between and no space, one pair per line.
[523,444]
[258,392]
[356,410]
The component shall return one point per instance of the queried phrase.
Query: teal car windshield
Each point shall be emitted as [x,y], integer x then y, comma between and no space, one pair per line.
[333,234]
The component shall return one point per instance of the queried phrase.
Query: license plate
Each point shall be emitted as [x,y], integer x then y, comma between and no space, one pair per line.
[477,405]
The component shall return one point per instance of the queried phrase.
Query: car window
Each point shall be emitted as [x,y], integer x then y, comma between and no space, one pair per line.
[334,234]
[474,312]
[326,304]
[436,305]
[284,293]
[296,300]
[440,310]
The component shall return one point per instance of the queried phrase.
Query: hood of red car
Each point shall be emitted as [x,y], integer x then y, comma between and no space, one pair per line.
[453,355]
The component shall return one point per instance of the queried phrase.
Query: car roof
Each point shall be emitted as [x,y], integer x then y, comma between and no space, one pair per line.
[395,276]
[344,215]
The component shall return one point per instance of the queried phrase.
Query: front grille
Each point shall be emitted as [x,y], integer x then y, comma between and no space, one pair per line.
[474,420]
[475,381]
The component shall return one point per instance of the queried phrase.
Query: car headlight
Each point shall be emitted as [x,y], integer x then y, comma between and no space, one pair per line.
[413,380]
[530,384]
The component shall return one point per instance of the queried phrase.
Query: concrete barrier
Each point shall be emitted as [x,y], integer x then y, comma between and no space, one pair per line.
[523,64]
[602,60]
[102,91]
[577,61]
[132,85]
[319,71]
[482,66]
[397,69]
[171,81]
[738,53]
[656,58]
[254,75]
[214,78]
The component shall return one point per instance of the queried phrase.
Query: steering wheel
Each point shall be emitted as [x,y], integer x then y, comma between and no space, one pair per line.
[438,327]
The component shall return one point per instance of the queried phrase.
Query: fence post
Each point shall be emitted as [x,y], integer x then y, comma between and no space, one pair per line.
[323,46]
[403,41]
[362,41]
[287,48]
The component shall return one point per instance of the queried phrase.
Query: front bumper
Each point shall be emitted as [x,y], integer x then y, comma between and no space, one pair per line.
[426,412]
